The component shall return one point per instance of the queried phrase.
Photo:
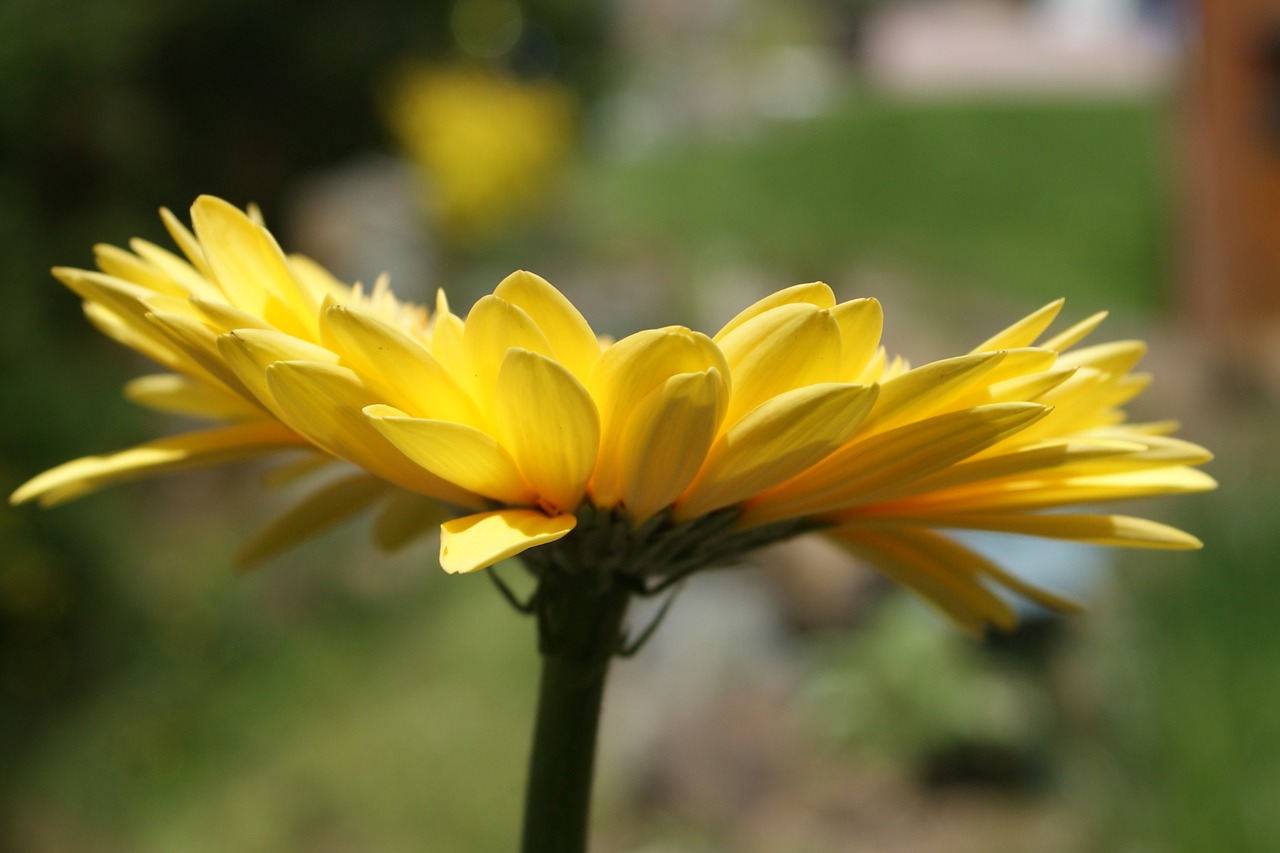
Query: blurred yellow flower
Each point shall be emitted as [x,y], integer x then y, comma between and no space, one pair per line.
[660,454]
[488,146]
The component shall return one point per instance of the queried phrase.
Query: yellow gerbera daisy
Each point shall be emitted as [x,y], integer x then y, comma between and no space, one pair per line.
[647,458]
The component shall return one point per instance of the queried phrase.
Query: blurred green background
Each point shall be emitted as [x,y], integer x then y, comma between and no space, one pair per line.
[344,700]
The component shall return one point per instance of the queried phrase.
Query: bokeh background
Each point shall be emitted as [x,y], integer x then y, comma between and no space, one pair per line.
[662,162]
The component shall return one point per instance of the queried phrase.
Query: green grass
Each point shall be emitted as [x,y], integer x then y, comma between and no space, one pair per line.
[1038,199]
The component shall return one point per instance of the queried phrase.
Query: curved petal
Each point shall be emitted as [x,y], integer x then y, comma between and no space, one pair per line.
[162,456]
[455,452]
[1121,531]
[921,391]
[326,507]
[492,327]
[550,424]
[667,440]
[324,402]
[571,338]
[773,443]
[784,348]
[812,293]
[628,372]
[859,472]
[180,395]
[407,371]
[861,322]
[249,267]
[1023,332]
[943,577]
[478,541]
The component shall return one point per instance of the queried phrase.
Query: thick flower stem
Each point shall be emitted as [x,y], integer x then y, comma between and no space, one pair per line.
[581,627]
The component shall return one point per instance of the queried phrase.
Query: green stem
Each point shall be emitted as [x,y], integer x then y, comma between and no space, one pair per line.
[581,628]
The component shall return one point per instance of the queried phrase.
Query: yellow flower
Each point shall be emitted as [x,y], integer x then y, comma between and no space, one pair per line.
[649,458]
[488,146]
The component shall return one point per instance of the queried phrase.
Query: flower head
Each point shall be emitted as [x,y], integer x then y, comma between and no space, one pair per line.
[650,457]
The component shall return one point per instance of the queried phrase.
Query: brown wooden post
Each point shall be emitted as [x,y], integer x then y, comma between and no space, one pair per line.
[1232,289]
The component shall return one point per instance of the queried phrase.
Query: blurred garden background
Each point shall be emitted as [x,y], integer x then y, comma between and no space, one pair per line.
[661,162]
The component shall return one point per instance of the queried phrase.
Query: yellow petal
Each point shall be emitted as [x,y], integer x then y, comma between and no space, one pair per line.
[224,317]
[861,471]
[1076,333]
[127,266]
[861,322]
[179,395]
[166,455]
[667,438]
[1113,357]
[574,344]
[457,453]
[249,267]
[1018,494]
[187,242]
[813,293]
[1113,530]
[493,326]
[197,341]
[249,352]
[932,573]
[917,393]
[624,376]
[1024,332]
[406,370]
[324,402]
[550,424]
[478,541]
[773,443]
[184,279]
[784,348]
[324,508]
[404,518]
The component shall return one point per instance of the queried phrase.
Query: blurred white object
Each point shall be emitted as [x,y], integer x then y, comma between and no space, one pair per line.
[1061,46]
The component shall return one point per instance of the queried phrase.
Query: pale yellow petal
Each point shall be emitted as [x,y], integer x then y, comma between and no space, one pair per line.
[1018,494]
[124,265]
[775,442]
[185,279]
[917,393]
[326,507]
[861,322]
[249,352]
[1076,333]
[1112,357]
[224,317]
[930,573]
[1113,530]
[813,293]
[783,348]
[862,471]
[405,517]
[198,341]
[1024,332]
[947,551]
[249,267]
[187,242]
[493,326]
[180,395]
[478,541]
[667,439]
[574,344]
[162,456]
[325,403]
[625,375]
[406,370]
[550,424]
[455,452]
